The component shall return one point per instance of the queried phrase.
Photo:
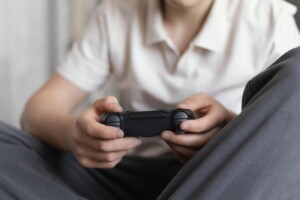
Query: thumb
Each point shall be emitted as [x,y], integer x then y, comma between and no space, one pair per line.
[107,104]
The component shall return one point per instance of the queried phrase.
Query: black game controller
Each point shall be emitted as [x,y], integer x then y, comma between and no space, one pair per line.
[147,123]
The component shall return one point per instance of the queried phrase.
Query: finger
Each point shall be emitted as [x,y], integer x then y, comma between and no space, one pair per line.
[189,140]
[196,102]
[90,163]
[95,129]
[192,140]
[115,145]
[88,153]
[183,150]
[107,104]
[203,124]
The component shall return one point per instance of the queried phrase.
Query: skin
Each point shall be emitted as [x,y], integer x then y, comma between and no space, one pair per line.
[214,116]
[48,114]
[50,120]
[182,15]
[179,16]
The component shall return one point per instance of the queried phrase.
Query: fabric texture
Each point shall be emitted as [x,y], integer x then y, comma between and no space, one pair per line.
[256,156]
[29,170]
[240,38]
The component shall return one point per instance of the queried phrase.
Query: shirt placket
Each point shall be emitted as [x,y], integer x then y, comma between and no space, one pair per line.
[184,65]
[179,64]
[171,57]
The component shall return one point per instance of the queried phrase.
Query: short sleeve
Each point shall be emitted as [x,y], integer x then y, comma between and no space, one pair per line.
[87,64]
[286,34]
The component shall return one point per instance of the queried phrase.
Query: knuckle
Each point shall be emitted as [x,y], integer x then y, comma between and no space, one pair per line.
[109,157]
[178,140]
[84,162]
[127,145]
[201,141]
[77,137]
[109,99]
[112,164]
[89,128]
[131,144]
[203,126]
[200,128]
[103,146]
[79,152]
[74,138]
[79,123]
[86,124]
[174,139]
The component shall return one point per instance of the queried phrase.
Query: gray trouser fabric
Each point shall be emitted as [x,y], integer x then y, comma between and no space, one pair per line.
[256,156]
[30,170]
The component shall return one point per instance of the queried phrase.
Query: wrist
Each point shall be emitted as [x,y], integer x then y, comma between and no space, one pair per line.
[69,129]
[231,115]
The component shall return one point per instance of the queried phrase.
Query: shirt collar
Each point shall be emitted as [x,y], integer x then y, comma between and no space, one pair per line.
[213,35]
[215,31]
[155,29]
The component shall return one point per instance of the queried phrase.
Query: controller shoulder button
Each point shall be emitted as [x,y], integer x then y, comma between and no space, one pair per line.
[181,115]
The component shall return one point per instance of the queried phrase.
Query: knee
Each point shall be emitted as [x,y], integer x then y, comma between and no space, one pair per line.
[287,67]
[285,71]
[289,63]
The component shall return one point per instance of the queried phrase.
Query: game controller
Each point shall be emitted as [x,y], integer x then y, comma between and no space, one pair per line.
[148,123]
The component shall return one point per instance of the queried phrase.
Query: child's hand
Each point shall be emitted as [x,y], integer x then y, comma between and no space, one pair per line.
[212,117]
[96,145]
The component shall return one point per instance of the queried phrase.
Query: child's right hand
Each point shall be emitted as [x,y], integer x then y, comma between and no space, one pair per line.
[94,144]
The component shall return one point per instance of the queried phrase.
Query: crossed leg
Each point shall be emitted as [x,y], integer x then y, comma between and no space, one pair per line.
[256,156]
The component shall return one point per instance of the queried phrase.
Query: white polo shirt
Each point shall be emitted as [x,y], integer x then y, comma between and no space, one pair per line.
[126,39]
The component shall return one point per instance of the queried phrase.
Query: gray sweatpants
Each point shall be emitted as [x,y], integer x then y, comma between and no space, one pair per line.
[256,156]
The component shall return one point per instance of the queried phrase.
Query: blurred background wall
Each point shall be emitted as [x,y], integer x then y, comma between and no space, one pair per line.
[34,37]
